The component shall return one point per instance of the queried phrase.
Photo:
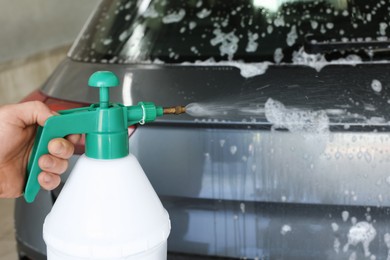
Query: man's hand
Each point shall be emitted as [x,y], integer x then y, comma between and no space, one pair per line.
[18,123]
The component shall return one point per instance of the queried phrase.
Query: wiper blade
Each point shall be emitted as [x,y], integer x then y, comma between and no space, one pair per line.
[314,45]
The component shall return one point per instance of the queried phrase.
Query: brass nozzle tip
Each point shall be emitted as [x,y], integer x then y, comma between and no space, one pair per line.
[174,110]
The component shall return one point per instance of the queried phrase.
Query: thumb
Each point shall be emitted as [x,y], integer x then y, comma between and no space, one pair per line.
[32,112]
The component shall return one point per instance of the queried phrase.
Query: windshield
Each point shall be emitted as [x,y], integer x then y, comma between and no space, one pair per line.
[279,31]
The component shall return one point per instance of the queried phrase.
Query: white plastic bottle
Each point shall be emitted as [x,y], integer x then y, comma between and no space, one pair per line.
[107,210]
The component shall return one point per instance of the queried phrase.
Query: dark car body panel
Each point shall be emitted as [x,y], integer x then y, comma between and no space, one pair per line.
[233,185]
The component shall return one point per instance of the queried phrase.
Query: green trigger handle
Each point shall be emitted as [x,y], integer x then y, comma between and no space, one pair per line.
[105,126]
[55,127]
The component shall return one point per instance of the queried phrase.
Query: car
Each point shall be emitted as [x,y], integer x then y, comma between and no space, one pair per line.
[284,152]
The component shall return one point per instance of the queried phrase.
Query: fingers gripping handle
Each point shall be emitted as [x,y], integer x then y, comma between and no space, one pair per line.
[39,149]
[55,127]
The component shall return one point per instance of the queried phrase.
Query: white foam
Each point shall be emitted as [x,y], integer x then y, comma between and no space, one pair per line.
[150,12]
[270,29]
[376,120]
[242,207]
[362,232]
[285,229]
[369,107]
[278,55]
[107,41]
[386,238]
[329,25]
[292,36]
[233,149]
[279,21]
[252,44]
[203,13]
[192,25]
[174,17]
[318,61]
[335,227]
[376,85]
[228,42]
[382,28]
[296,120]
[336,245]
[248,70]
[314,24]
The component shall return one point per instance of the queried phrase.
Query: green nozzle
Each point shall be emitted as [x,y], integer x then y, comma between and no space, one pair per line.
[103,80]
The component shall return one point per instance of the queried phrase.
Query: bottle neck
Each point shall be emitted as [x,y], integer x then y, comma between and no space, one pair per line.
[107,146]
[110,140]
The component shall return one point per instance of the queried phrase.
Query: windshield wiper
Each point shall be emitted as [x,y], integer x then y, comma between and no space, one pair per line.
[314,44]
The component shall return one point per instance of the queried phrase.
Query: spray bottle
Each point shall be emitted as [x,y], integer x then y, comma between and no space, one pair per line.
[107,208]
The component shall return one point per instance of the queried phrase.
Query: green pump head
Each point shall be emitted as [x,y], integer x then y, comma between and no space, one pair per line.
[105,126]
